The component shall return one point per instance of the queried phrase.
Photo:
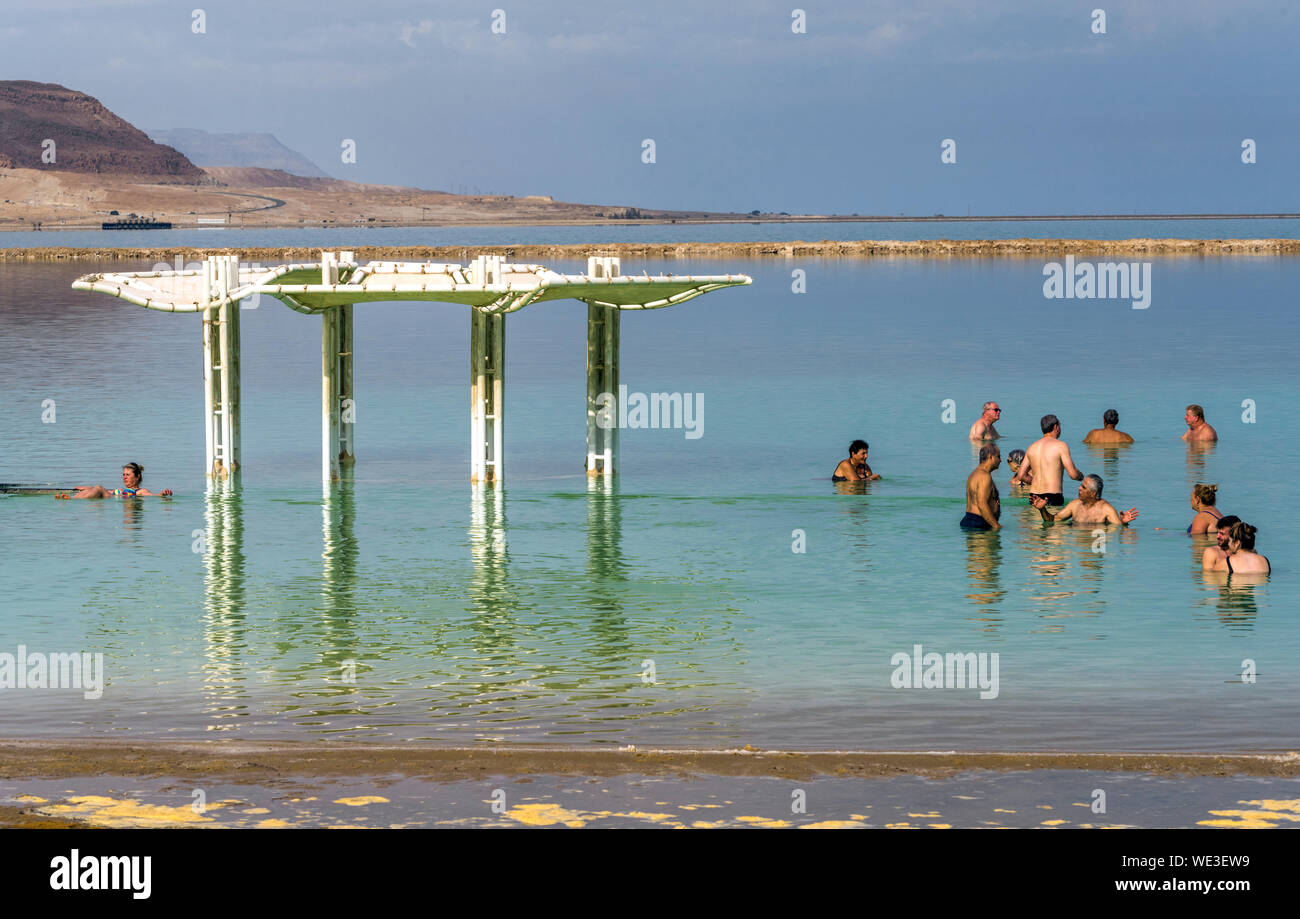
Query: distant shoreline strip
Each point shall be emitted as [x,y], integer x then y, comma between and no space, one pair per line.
[865,248]
[240,761]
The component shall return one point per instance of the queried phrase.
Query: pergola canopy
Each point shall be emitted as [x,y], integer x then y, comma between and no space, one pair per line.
[505,289]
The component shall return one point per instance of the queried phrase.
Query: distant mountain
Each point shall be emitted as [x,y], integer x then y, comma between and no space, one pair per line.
[87,137]
[260,151]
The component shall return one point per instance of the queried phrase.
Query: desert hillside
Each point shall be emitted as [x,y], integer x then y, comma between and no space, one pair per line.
[87,137]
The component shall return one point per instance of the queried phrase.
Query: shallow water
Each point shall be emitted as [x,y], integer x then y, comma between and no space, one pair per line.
[534,612]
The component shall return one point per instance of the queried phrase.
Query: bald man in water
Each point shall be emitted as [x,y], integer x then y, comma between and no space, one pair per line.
[1045,460]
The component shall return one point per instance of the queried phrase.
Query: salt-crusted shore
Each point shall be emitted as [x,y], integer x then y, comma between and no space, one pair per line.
[865,248]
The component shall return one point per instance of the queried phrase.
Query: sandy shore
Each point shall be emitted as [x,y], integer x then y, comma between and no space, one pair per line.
[243,761]
[865,248]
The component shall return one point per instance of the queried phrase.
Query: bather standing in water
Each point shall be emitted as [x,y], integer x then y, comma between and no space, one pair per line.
[1045,461]
[1107,433]
[1088,508]
[983,506]
[855,468]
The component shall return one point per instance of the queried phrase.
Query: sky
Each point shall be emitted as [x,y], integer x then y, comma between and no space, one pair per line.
[1047,114]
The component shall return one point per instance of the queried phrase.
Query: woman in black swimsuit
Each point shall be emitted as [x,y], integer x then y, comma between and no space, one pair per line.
[1241,557]
[1207,515]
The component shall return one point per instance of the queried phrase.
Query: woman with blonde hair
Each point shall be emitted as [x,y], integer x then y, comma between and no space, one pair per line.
[1207,515]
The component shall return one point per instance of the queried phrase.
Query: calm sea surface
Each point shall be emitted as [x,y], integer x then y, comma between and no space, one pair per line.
[537,612]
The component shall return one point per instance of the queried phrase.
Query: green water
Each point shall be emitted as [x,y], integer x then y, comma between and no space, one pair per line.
[536,612]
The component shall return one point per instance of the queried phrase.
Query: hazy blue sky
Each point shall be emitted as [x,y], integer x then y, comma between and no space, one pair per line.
[1047,116]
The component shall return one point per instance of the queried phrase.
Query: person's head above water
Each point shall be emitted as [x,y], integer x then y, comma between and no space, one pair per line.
[991,410]
[1194,413]
[1225,526]
[1204,494]
[1091,487]
[1110,416]
[1016,457]
[989,452]
[132,474]
[858,446]
[1241,535]
[1048,422]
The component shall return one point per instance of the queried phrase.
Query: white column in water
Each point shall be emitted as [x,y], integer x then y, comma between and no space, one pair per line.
[602,375]
[221,366]
[487,352]
[329,363]
[347,396]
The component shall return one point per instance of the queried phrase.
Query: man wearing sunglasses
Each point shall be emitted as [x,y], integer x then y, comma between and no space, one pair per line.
[983,428]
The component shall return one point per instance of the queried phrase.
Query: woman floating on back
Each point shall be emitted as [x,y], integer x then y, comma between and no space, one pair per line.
[132,475]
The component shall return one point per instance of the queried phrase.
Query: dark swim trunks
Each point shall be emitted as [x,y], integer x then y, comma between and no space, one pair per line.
[1054,498]
[975,522]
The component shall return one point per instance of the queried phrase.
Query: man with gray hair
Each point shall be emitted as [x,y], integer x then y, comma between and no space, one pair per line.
[983,428]
[1088,508]
[983,507]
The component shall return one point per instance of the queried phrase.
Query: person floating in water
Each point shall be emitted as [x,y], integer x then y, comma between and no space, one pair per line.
[983,428]
[1088,508]
[1197,427]
[983,506]
[1207,515]
[1107,433]
[132,475]
[1239,556]
[1014,460]
[1045,460]
[855,468]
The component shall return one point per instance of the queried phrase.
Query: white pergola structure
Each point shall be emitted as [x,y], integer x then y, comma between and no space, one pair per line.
[490,286]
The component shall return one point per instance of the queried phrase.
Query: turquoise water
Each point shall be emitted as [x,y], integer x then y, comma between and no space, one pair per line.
[531,613]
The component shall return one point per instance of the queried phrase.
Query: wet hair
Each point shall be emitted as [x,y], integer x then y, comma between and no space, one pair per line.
[1094,484]
[1110,417]
[1204,493]
[1197,411]
[1016,456]
[858,445]
[988,451]
[1242,532]
[1226,521]
[1049,422]
[136,468]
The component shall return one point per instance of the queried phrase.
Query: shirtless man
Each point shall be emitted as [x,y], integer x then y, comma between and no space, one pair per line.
[983,506]
[1108,434]
[1088,508]
[1045,460]
[855,468]
[1197,428]
[983,428]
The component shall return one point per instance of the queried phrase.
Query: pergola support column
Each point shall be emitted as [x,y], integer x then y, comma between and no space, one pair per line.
[338,411]
[602,376]
[487,351]
[221,367]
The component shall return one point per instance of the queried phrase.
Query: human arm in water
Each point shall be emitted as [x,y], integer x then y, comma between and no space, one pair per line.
[1049,518]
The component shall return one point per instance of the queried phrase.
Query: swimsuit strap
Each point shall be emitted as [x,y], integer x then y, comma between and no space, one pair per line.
[1228,559]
